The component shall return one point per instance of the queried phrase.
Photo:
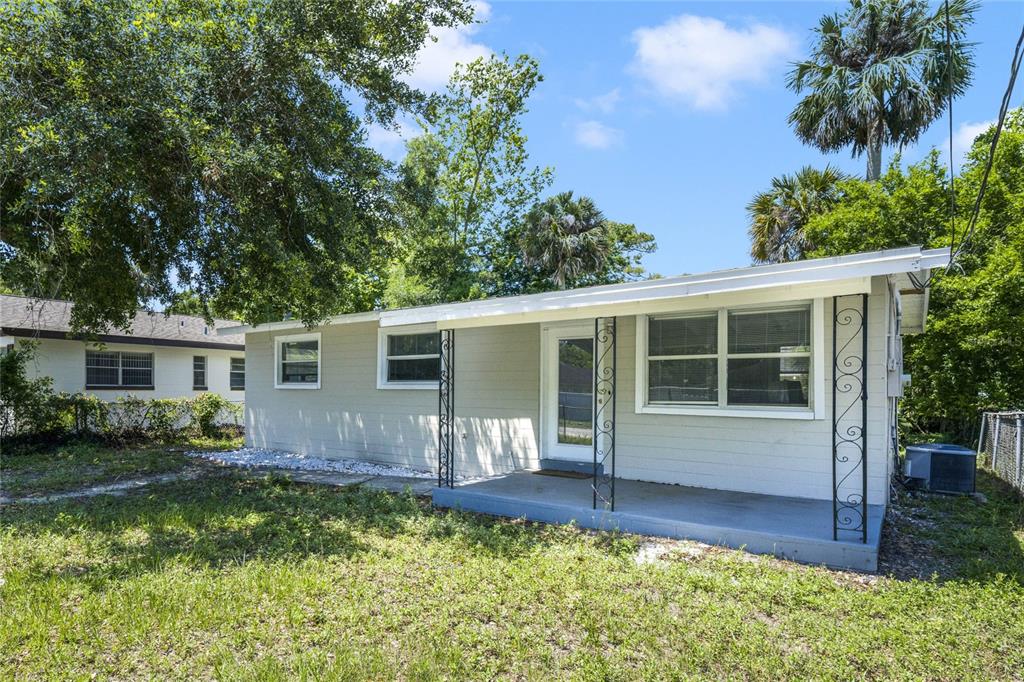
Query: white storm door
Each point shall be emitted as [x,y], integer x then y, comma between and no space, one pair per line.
[567,392]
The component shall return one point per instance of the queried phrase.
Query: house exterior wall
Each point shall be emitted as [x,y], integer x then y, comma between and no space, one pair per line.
[497,403]
[64,360]
[773,456]
[496,397]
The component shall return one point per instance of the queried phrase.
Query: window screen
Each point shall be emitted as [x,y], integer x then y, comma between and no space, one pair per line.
[769,357]
[300,362]
[199,373]
[413,357]
[114,369]
[682,359]
[237,374]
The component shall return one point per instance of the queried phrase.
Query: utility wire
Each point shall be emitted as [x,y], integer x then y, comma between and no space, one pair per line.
[1018,57]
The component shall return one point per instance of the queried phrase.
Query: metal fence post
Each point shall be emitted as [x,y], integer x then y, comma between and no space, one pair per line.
[1018,449]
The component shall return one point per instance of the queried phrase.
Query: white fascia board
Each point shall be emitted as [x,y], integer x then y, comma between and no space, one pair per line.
[350,318]
[798,273]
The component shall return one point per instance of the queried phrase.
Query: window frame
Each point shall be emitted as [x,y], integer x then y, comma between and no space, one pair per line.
[382,357]
[286,338]
[205,386]
[232,371]
[816,366]
[120,385]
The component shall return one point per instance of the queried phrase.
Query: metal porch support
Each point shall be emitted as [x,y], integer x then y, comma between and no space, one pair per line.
[446,411]
[605,329]
[849,424]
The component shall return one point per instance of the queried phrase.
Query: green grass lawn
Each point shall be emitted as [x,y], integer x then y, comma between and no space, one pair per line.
[234,578]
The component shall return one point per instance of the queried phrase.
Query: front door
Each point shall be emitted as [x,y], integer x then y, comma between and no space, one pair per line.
[568,393]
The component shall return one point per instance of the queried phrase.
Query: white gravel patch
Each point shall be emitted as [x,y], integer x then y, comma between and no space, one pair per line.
[279,459]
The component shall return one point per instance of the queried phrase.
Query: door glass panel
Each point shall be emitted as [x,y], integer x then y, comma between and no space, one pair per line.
[575,391]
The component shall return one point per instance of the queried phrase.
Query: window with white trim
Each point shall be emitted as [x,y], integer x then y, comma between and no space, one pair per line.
[237,377]
[199,373]
[297,361]
[409,359]
[729,358]
[118,369]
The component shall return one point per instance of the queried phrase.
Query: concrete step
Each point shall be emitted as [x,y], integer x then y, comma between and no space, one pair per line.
[570,465]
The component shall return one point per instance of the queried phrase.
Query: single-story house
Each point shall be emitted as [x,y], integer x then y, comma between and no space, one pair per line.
[750,407]
[157,356]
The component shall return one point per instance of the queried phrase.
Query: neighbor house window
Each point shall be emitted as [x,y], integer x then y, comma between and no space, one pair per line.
[297,361]
[237,374]
[198,372]
[736,358]
[118,369]
[409,359]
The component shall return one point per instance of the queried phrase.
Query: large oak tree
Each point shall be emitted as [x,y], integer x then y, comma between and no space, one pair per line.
[150,146]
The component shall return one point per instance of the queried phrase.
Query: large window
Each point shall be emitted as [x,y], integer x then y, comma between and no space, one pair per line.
[198,372]
[740,358]
[297,361]
[409,360]
[118,369]
[237,374]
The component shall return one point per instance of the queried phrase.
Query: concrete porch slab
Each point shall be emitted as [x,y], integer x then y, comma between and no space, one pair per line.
[788,527]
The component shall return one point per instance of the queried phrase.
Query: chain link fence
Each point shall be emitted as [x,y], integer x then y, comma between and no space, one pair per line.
[1000,441]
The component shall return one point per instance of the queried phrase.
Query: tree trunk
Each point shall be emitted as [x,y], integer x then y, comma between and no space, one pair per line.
[875,153]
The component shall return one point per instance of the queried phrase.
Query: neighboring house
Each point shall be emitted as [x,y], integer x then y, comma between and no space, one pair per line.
[728,405]
[158,356]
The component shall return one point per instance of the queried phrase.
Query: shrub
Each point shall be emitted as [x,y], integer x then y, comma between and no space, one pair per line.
[27,405]
[207,410]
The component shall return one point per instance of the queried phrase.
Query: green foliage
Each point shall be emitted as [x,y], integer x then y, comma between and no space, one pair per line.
[970,357]
[211,145]
[879,74]
[464,184]
[207,410]
[778,217]
[568,243]
[26,404]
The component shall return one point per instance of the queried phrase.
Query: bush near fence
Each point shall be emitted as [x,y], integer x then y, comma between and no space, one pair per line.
[1002,442]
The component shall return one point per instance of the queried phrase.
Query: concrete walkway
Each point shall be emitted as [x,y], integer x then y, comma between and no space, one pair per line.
[394,484]
[118,488]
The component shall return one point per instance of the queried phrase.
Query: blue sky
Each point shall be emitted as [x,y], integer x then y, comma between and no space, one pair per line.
[672,115]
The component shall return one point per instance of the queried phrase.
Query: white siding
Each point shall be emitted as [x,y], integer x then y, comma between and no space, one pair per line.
[498,404]
[772,456]
[496,396]
[64,360]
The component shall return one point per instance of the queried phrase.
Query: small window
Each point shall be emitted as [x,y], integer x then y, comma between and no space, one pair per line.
[769,359]
[198,372]
[237,374]
[298,361]
[682,359]
[409,360]
[115,369]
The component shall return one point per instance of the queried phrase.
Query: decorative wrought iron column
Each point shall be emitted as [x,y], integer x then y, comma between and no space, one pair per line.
[849,416]
[446,411]
[604,412]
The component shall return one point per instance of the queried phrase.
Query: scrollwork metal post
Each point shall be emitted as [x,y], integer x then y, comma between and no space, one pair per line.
[446,411]
[849,425]
[605,329]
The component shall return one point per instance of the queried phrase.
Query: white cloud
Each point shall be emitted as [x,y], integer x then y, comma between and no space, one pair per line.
[605,103]
[596,135]
[390,143]
[963,137]
[436,61]
[701,60]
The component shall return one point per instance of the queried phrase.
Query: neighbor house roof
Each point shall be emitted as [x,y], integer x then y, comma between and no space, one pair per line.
[817,277]
[51,319]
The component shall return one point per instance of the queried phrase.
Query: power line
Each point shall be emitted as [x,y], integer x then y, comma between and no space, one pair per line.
[1018,57]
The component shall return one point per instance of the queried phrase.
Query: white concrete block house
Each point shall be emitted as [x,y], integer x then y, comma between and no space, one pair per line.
[725,407]
[158,356]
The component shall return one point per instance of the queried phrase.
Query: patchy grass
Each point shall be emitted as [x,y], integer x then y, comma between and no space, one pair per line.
[233,578]
[78,464]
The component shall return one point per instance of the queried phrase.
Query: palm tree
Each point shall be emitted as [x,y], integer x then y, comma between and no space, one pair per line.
[880,74]
[778,216]
[566,238]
